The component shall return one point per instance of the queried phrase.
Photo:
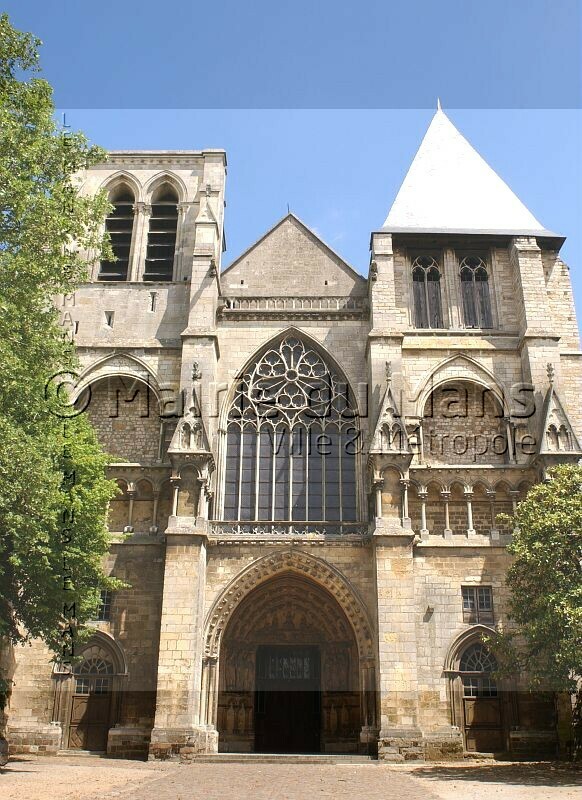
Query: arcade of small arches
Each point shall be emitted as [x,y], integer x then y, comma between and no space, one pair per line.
[559,438]
[447,507]
[288,484]
[126,415]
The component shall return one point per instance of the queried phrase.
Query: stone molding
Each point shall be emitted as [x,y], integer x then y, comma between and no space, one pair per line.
[290,561]
[312,307]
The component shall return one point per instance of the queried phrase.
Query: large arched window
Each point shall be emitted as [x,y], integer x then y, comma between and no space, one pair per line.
[292,438]
[159,264]
[475,290]
[426,277]
[119,226]
[476,665]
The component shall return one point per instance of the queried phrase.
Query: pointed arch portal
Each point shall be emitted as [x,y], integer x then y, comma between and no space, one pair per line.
[289,675]
[289,663]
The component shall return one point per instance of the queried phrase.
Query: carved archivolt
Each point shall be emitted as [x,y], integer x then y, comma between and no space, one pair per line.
[318,570]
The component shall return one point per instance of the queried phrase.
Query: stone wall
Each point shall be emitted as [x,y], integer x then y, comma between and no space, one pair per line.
[409,580]
[125,415]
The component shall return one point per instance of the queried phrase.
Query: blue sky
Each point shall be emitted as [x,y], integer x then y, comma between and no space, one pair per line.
[367,76]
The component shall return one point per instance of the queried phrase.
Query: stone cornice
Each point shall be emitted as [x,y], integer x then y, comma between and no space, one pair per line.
[324,307]
[158,157]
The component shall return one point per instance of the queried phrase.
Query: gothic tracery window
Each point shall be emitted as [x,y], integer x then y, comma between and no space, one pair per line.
[292,437]
[119,226]
[475,291]
[426,277]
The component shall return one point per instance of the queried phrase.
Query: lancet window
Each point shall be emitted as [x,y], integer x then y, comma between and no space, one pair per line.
[475,291]
[426,283]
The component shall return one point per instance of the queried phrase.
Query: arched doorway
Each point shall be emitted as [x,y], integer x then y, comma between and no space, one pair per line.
[91,705]
[482,704]
[87,697]
[289,672]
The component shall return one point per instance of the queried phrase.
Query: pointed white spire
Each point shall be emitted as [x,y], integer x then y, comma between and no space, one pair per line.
[449,187]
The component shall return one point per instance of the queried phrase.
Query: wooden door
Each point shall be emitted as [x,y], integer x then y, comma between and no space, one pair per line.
[288,700]
[483,724]
[90,714]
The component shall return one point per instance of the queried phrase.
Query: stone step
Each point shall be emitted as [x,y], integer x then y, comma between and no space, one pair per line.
[279,758]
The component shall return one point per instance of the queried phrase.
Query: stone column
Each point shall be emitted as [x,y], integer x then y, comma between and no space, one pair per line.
[183,209]
[510,442]
[446,495]
[424,532]
[405,517]
[514,494]
[202,510]
[178,719]
[451,299]
[131,495]
[491,495]
[175,481]
[155,508]
[378,484]
[139,241]
[369,731]
[469,497]
[397,665]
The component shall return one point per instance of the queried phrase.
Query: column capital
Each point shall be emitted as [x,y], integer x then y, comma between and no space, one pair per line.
[139,207]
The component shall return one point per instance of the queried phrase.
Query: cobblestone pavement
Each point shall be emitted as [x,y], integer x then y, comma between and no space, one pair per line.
[81,778]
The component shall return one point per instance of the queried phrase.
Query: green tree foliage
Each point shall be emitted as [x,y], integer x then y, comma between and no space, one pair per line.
[45,226]
[544,645]
[545,579]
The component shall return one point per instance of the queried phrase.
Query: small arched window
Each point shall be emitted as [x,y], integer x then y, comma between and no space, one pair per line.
[475,290]
[119,226]
[159,264]
[476,666]
[426,281]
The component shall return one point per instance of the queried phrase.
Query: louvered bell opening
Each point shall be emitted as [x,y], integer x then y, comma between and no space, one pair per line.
[161,248]
[119,225]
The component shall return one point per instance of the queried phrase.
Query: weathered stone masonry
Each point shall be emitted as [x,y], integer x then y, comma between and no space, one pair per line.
[366,602]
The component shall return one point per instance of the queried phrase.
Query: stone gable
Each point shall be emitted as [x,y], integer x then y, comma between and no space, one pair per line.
[291,260]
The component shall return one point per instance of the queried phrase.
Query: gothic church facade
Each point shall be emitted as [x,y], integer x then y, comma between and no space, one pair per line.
[311,464]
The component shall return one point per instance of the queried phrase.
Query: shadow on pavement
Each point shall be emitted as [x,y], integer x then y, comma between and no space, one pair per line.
[531,774]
